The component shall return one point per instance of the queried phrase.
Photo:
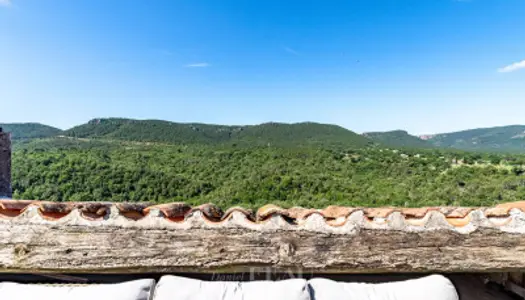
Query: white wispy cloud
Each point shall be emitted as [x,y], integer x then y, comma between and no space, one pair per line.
[5,2]
[513,67]
[290,50]
[198,65]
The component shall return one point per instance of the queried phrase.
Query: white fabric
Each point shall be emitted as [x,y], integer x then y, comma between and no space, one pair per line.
[180,288]
[131,290]
[435,287]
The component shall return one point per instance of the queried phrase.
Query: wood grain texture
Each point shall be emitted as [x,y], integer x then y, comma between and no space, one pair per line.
[111,249]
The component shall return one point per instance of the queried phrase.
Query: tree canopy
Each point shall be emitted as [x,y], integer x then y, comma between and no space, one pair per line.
[77,170]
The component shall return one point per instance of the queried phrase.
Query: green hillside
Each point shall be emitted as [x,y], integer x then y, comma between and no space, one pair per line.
[398,138]
[105,170]
[299,134]
[496,139]
[506,138]
[29,130]
[268,134]
[102,165]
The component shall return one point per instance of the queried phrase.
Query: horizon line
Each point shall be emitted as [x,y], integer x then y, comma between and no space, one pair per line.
[262,123]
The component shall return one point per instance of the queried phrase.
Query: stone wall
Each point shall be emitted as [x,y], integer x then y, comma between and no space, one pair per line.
[5,164]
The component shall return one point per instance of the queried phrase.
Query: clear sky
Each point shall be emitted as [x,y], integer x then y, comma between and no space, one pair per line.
[426,66]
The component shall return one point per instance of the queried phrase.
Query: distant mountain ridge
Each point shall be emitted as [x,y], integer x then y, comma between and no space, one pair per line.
[29,130]
[398,138]
[502,138]
[277,134]
[494,139]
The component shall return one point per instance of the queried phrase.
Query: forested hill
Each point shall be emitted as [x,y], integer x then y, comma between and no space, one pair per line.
[109,170]
[29,130]
[505,138]
[495,139]
[398,138]
[273,134]
[111,160]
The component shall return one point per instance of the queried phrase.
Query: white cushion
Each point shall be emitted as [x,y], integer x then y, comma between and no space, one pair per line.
[131,290]
[180,288]
[435,287]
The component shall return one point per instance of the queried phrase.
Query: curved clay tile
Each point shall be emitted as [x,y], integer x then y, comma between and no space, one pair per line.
[300,213]
[175,211]
[269,210]
[444,209]
[19,205]
[416,213]
[210,211]
[379,212]
[333,215]
[55,210]
[459,212]
[508,206]
[93,210]
[134,211]
[496,212]
[132,207]
[334,211]
[247,212]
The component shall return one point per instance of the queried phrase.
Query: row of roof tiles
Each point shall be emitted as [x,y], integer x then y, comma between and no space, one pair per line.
[179,211]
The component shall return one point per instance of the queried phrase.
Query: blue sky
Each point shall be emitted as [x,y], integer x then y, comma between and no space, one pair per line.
[426,66]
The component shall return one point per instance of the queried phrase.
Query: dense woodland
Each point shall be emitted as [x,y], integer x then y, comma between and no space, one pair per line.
[304,164]
[66,169]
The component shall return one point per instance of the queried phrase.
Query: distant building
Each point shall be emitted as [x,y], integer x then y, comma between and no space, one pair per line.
[426,137]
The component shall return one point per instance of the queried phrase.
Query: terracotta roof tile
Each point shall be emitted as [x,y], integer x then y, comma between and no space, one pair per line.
[250,215]
[415,212]
[300,213]
[132,207]
[381,212]
[334,216]
[55,210]
[175,211]
[508,206]
[460,212]
[211,211]
[134,211]
[94,210]
[446,210]
[269,210]
[18,205]
[334,212]
[54,207]
[496,212]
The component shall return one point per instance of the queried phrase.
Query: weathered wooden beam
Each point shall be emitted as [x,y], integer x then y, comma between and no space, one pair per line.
[130,250]
[33,243]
